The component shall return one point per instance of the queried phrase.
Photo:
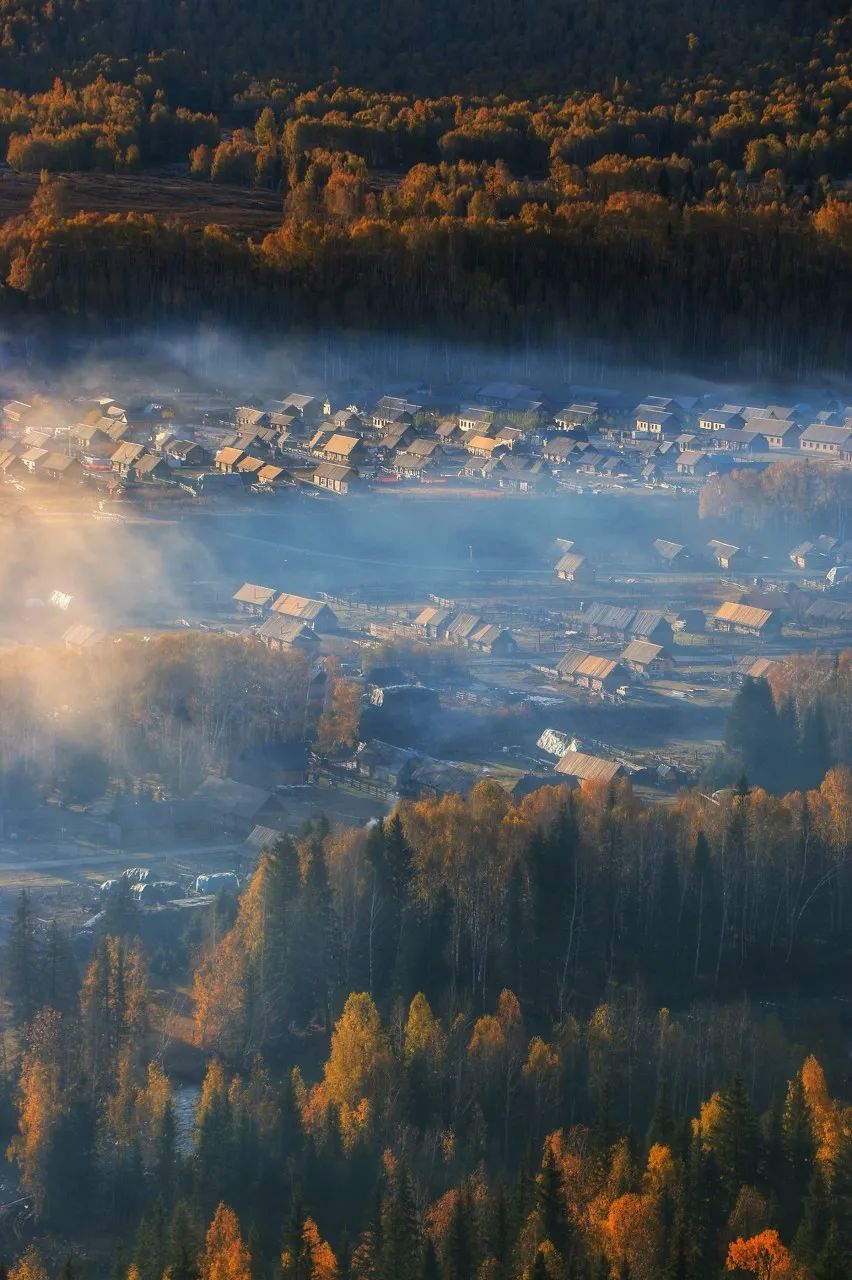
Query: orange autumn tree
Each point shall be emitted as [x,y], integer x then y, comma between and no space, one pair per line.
[631,1232]
[763,1256]
[225,1256]
[28,1267]
[355,1075]
[316,1259]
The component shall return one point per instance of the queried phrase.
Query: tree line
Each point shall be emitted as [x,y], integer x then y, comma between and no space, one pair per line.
[172,710]
[477,1039]
[572,275]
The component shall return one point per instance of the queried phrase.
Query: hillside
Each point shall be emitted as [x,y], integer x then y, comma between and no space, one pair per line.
[515,170]
[490,46]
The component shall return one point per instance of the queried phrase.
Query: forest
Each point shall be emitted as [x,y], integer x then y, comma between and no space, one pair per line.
[575,1037]
[708,187]
[479,1039]
[75,725]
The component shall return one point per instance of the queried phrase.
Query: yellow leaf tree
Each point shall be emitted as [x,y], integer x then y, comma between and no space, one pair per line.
[225,1256]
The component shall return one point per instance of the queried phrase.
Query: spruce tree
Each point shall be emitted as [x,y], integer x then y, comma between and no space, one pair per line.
[550,1204]
[815,1221]
[429,1267]
[736,1143]
[834,1261]
[815,747]
[799,1151]
[458,1249]
[21,962]
[661,1128]
[400,1251]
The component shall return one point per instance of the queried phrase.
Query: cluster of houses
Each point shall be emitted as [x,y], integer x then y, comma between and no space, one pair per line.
[469,630]
[826,555]
[504,435]
[510,436]
[108,442]
[285,620]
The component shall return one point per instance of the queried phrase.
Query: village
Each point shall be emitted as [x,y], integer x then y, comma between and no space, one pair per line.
[552,640]
[508,437]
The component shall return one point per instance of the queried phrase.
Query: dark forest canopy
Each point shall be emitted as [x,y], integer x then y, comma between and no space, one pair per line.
[669,180]
[485,45]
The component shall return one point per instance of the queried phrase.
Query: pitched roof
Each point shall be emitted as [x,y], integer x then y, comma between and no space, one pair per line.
[596,667]
[488,634]
[486,443]
[569,663]
[251,593]
[341,444]
[475,414]
[690,457]
[432,616]
[819,433]
[404,460]
[721,550]
[609,616]
[269,474]
[180,448]
[148,463]
[773,426]
[287,630]
[642,651]
[333,471]
[743,614]
[570,562]
[299,607]
[249,466]
[668,550]
[249,415]
[757,668]
[59,462]
[464,625]
[646,622]
[657,417]
[127,453]
[300,402]
[424,448]
[718,415]
[576,764]
[835,611]
[229,456]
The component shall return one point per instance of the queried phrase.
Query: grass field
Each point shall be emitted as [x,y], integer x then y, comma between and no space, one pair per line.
[196,204]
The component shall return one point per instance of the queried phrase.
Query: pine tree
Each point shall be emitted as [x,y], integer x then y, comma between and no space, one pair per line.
[120,917]
[815,747]
[752,730]
[184,1245]
[677,1265]
[799,1150]
[815,1220]
[550,1202]
[22,962]
[213,1135]
[661,1128]
[458,1247]
[400,1250]
[834,1260]
[499,1232]
[736,1143]
[58,971]
[429,1267]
